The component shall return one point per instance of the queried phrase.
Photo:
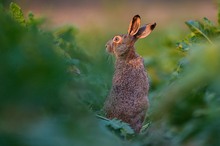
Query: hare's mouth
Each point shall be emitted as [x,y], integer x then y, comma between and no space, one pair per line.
[109,49]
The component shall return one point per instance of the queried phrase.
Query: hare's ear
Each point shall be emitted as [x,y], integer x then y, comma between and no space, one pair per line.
[134,25]
[145,30]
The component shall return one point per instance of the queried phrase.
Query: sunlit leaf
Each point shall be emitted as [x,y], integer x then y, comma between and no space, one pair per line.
[197,28]
[17,13]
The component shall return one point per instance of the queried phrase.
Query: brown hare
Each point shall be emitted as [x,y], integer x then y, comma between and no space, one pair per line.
[128,98]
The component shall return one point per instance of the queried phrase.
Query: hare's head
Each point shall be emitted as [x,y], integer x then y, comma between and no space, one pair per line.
[120,45]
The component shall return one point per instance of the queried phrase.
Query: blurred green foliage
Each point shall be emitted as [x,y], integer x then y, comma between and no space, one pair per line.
[54,82]
[192,100]
[37,107]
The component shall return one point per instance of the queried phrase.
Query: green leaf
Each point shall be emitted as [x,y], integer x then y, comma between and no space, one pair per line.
[118,124]
[17,13]
[197,28]
[34,23]
[208,23]
[183,46]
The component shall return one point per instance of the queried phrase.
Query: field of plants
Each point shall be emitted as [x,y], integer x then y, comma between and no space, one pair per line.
[53,83]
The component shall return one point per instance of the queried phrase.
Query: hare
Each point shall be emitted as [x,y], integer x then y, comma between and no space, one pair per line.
[128,98]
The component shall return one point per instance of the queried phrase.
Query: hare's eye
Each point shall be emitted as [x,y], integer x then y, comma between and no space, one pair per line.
[117,39]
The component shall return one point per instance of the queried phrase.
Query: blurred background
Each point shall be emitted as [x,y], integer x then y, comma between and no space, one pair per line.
[107,14]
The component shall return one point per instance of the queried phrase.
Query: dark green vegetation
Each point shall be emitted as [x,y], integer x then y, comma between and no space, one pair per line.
[52,88]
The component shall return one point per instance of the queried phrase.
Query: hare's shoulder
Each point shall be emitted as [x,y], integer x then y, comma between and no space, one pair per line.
[136,62]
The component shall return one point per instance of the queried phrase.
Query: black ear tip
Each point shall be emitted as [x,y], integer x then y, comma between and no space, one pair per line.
[153,26]
[137,16]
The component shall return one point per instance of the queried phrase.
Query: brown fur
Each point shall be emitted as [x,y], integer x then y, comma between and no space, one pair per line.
[128,99]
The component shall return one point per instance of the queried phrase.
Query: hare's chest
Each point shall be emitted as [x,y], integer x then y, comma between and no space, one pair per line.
[131,78]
